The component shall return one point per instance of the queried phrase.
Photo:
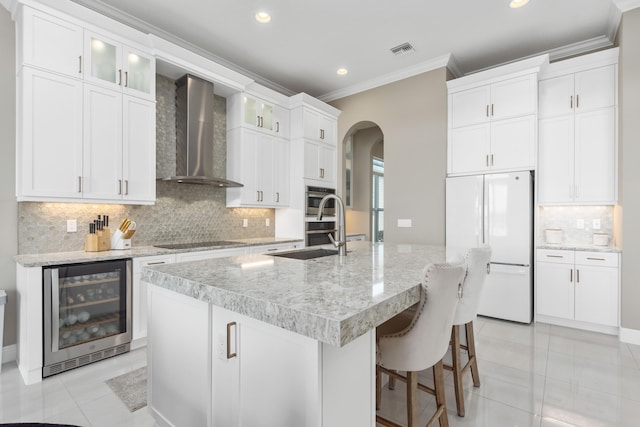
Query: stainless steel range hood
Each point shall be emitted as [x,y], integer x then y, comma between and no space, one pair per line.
[194,134]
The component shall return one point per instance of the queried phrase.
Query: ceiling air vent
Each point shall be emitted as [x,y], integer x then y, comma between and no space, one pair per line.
[403,49]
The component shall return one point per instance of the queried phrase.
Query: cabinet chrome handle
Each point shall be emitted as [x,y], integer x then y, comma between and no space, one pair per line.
[321,173]
[79,184]
[487,110]
[229,354]
[555,256]
[571,275]
[578,276]
[577,101]
[156,263]
[492,109]
[492,160]
[126,79]
[596,259]
[80,64]
[119,77]
[277,127]
[119,186]
[258,121]
[571,102]
[126,187]
[257,196]
[277,197]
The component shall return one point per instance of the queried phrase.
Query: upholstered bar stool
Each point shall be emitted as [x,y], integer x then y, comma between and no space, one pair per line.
[477,262]
[419,340]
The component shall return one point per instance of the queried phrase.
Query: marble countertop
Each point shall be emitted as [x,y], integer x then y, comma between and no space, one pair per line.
[54,258]
[579,247]
[331,299]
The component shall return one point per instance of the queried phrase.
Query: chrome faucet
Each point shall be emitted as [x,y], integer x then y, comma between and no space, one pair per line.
[341,243]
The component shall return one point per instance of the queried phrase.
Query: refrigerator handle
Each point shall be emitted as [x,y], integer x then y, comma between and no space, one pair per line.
[55,307]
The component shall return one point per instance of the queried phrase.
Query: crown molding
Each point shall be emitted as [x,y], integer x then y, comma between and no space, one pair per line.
[10,5]
[422,67]
[626,5]
[148,28]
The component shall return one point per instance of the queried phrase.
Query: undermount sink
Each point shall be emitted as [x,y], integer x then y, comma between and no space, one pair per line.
[307,253]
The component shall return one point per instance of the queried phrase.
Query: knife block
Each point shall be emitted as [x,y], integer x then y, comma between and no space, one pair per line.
[91,243]
[104,239]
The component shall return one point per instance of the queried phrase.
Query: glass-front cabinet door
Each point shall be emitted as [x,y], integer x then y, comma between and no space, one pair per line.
[102,60]
[139,74]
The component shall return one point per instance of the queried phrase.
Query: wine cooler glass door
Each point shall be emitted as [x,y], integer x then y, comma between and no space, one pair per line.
[87,308]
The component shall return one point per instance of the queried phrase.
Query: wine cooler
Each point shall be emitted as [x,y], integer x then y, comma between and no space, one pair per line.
[87,313]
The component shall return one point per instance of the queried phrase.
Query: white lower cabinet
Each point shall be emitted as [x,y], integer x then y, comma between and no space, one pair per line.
[208,366]
[579,286]
[139,295]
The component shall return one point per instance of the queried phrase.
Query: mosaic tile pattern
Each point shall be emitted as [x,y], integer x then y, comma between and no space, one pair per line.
[565,217]
[183,212]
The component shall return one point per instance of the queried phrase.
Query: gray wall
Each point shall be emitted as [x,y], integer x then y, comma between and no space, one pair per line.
[8,205]
[412,115]
[629,177]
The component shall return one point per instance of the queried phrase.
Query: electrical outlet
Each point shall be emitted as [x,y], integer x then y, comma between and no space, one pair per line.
[267,222]
[580,224]
[596,224]
[72,226]
[245,222]
[405,223]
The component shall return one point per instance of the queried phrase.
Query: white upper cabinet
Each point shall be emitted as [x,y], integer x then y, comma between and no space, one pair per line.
[501,100]
[49,152]
[492,119]
[577,143]
[87,114]
[313,125]
[118,66]
[579,92]
[50,43]
[257,114]
[260,163]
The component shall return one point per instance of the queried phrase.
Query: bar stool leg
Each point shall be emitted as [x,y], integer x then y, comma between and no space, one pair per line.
[378,387]
[471,349]
[412,399]
[438,386]
[457,369]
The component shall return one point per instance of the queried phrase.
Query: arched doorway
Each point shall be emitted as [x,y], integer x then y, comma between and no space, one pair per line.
[363,143]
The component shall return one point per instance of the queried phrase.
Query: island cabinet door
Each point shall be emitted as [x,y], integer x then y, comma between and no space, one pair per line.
[263,375]
[178,359]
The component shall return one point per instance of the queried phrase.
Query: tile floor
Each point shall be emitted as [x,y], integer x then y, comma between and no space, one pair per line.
[532,375]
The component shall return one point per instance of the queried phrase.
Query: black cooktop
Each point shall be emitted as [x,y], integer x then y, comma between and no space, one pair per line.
[196,245]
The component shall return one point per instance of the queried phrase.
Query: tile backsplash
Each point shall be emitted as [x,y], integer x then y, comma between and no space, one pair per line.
[182,212]
[566,218]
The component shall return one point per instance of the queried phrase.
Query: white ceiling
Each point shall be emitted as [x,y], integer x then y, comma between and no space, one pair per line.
[306,41]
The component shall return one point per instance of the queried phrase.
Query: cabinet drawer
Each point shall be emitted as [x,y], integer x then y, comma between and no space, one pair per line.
[154,260]
[603,259]
[556,256]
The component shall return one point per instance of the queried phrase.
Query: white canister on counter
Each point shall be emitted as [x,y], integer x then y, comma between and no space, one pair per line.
[601,239]
[553,235]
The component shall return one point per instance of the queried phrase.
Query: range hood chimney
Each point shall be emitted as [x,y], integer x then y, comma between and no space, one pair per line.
[194,134]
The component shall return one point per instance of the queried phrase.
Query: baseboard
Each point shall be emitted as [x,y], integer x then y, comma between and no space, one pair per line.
[630,336]
[9,353]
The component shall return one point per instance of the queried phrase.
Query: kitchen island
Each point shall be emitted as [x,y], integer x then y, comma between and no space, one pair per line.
[265,340]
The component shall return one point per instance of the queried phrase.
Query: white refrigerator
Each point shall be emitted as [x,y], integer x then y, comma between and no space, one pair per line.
[496,210]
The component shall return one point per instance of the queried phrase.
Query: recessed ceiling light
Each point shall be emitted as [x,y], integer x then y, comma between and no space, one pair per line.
[342,71]
[263,17]
[517,3]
